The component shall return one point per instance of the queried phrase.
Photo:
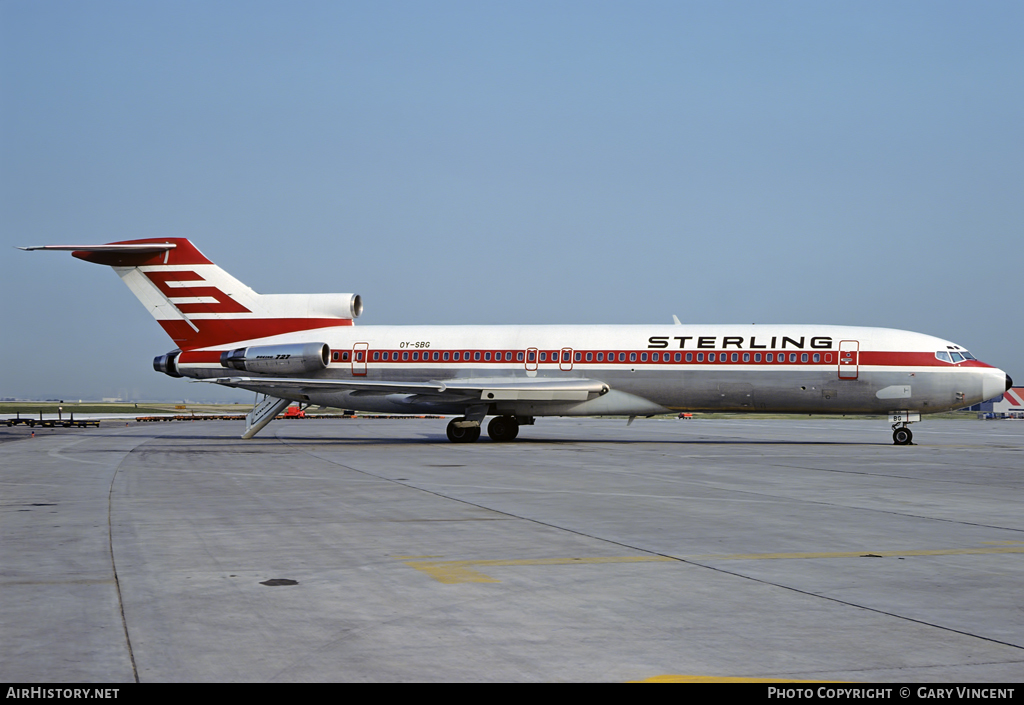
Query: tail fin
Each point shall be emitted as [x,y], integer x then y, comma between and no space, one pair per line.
[200,305]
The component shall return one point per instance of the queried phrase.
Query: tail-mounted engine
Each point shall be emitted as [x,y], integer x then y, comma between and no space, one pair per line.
[293,359]
[168,364]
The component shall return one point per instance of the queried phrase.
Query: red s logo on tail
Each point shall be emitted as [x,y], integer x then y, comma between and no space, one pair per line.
[222,303]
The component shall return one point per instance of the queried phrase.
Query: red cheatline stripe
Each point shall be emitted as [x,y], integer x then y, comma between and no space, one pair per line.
[406,356]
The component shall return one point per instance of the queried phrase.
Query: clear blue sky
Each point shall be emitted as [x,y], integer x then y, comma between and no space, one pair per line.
[527,162]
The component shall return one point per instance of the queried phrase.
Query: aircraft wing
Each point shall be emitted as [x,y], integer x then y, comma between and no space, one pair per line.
[503,389]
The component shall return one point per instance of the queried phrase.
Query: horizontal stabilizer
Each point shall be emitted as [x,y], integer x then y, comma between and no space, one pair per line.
[146,247]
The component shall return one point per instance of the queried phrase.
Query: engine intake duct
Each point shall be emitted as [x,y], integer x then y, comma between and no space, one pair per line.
[292,359]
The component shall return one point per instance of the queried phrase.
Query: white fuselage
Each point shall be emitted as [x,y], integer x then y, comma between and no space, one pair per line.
[649,369]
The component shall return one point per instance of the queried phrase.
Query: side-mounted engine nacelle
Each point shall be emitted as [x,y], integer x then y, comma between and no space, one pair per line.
[168,364]
[292,359]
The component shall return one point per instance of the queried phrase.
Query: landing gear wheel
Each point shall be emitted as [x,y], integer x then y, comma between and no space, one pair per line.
[503,428]
[462,434]
[902,436]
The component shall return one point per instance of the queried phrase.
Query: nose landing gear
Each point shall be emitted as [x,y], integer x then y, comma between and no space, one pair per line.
[901,435]
[901,420]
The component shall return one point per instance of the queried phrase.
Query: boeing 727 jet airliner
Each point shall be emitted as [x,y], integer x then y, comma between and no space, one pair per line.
[305,348]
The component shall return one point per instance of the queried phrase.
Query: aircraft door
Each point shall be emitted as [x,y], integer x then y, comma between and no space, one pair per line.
[360,351]
[849,359]
[565,361]
[531,359]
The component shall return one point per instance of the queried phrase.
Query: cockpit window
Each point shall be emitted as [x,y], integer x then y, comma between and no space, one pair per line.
[943,355]
[957,357]
[967,355]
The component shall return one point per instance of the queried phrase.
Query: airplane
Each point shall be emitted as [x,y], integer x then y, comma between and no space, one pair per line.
[305,348]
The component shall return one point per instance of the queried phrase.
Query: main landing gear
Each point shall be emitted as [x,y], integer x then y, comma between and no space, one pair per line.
[462,431]
[501,428]
[901,435]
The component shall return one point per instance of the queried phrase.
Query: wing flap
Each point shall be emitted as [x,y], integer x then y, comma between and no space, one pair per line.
[329,385]
[483,389]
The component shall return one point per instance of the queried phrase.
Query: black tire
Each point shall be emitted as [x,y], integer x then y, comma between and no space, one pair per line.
[503,428]
[902,436]
[462,434]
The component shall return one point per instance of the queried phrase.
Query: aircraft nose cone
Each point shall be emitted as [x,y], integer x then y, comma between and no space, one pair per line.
[1009,382]
[993,384]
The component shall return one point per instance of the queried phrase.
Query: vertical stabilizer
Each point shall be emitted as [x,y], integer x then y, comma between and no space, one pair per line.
[200,305]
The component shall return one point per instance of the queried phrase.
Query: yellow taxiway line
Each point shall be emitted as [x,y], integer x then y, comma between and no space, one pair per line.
[468,571]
